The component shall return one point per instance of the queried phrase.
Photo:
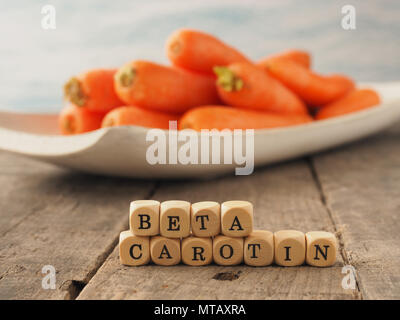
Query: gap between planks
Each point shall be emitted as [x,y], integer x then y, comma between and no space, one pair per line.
[338,233]
[74,287]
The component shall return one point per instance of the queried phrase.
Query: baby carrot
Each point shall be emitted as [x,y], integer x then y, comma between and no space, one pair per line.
[153,86]
[353,101]
[246,86]
[314,89]
[74,120]
[298,56]
[136,116]
[199,51]
[93,90]
[221,117]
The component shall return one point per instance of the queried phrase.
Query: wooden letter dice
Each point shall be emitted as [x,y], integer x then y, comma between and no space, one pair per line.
[144,217]
[206,218]
[290,248]
[236,218]
[133,250]
[165,251]
[259,248]
[197,251]
[321,248]
[227,251]
[175,219]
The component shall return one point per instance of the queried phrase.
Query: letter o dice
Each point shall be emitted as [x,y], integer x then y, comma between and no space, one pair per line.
[144,217]
[197,251]
[236,218]
[290,248]
[227,251]
[133,250]
[321,248]
[175,219]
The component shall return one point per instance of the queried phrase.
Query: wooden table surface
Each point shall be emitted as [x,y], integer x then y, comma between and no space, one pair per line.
[51,216]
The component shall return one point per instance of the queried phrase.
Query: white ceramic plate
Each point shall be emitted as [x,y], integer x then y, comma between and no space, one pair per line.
[121,151]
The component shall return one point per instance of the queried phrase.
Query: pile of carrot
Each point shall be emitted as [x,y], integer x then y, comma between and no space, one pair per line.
[209,85]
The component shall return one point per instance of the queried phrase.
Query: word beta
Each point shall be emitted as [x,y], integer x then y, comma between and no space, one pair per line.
[198,234]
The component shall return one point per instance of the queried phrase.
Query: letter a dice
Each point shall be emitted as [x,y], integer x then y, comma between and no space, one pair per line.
[321,248]
[165,251]
[236,218]
[144,217]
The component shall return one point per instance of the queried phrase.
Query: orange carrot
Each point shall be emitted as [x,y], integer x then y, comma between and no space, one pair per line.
[246,86]
[298,56]
[74,120]
[135,116]
[199,51]
[221,117]
[353,101]
[162,88]
[314,89]
[93,90]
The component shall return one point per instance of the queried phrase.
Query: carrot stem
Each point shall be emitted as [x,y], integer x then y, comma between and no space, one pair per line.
[125,76]
[74,93]
[227,80]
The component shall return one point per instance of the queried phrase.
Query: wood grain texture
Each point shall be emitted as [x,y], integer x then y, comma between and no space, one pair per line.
[361,186]
[54,217]
[284,196]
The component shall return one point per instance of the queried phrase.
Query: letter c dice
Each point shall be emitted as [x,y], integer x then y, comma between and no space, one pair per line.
[133,250]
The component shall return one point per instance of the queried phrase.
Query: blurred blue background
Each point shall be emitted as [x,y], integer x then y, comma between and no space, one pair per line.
[34,63]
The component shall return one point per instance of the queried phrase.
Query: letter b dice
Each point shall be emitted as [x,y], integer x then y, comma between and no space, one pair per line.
[144,218]
[236,218]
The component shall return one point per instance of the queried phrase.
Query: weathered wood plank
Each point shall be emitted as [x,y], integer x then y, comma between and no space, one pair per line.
[284,196]
[54,217]
[361,184]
